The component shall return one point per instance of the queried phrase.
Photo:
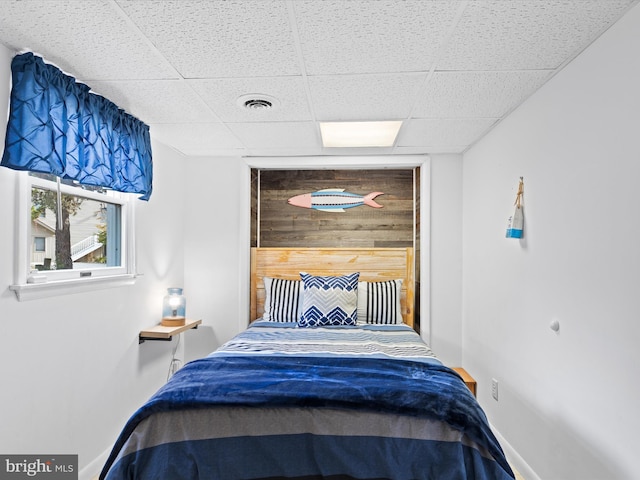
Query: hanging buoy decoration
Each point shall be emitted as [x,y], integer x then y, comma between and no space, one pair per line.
[516,221]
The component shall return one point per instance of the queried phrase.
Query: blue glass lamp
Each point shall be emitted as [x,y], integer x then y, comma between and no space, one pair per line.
[174,305]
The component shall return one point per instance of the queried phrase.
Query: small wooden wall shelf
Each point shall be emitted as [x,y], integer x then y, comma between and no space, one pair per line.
[160,332]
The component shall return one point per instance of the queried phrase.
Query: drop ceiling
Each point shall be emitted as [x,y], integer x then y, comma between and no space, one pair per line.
[450,70]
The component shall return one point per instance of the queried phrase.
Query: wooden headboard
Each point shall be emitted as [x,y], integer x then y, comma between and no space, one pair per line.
[374,265]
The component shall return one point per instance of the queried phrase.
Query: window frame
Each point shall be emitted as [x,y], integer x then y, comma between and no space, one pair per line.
[31,285]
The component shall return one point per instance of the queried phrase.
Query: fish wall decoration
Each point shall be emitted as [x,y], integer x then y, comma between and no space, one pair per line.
[334,200]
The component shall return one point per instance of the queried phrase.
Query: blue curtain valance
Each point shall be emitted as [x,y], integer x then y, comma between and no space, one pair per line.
[57,126]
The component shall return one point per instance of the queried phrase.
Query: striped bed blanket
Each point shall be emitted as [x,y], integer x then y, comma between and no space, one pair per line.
[398,342]
[356,403]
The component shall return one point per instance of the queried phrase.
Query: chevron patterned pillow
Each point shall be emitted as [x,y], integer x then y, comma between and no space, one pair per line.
[329,300]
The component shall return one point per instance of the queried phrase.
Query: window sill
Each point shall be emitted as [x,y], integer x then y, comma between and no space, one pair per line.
[34,291]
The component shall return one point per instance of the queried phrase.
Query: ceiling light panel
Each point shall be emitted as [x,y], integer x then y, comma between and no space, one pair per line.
[221,95]
[362,36]
[219,39]
[109,49]
[359,134]
[476,94]
[506,35]
[371,97]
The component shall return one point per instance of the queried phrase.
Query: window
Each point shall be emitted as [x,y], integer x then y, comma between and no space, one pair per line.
[85,234]
[39,244]
[71,234]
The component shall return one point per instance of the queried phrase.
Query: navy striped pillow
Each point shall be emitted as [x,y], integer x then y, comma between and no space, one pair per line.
[282,300]
[379,302]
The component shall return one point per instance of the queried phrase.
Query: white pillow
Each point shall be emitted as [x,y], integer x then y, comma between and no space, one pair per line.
[379,302]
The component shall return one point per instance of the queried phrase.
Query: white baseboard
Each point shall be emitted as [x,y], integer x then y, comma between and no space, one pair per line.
[514,459]
[93,469]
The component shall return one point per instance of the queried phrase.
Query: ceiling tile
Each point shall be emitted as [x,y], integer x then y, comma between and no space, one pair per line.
[197,139]
[221,95]
[358,151]
[298,151]
[159,101]
[476,94]
[432,149]
[88,40]
[364,97]
[277,135]
[370,37]
[443,132]
[449,69]
[203,38]
[541,34]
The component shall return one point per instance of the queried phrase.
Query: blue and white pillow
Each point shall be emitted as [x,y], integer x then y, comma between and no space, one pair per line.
[329,300]
[379,302]
[282,300]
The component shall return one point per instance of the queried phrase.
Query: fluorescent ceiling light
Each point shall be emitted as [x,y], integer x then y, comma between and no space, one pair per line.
[359,134]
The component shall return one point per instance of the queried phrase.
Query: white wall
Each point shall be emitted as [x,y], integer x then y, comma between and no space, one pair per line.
[568,400]
[446,258]
[72,369]
[216,250]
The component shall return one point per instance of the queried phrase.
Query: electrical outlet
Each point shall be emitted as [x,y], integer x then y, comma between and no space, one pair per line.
[494,389]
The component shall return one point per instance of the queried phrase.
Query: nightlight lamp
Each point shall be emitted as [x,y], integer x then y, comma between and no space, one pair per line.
[174,305]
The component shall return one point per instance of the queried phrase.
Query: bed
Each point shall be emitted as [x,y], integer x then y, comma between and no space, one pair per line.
[330,381]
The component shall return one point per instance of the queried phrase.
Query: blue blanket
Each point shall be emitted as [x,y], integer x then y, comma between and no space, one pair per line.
[403,387]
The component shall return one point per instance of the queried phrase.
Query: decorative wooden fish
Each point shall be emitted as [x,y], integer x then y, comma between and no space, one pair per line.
[333,200]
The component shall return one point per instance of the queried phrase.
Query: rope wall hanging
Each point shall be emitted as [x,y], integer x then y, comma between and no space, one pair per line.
[515,223]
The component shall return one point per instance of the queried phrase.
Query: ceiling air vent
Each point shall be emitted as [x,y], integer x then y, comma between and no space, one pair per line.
[257,104]
[257,101]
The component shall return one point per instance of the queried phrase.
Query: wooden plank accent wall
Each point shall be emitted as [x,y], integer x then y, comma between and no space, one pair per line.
[275,223]
[283,225]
